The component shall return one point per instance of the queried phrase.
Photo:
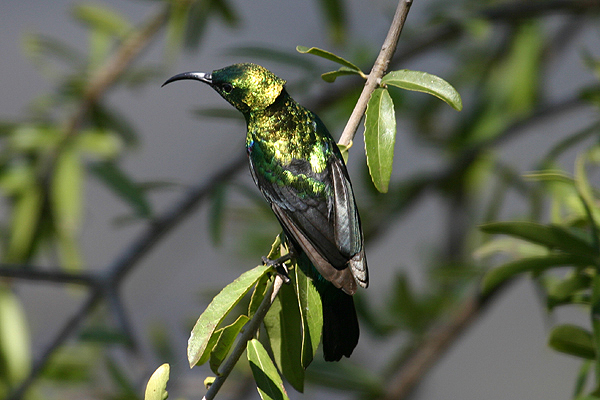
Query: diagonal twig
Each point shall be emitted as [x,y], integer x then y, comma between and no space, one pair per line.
[379,68]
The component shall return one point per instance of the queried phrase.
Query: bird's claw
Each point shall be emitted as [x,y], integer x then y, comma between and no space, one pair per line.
[279,265]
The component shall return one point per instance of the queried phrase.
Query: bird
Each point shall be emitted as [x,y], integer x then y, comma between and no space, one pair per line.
[299,169]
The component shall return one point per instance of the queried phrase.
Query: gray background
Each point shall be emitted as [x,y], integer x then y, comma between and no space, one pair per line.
[502,356]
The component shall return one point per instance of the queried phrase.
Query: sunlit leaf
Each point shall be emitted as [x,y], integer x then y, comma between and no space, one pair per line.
[270,385]
[24,223]
[218,308]
[99,142]
[329,56]
[333,75]
[14,338]
[380,137]
[67,188]
[156,389]
[424,82]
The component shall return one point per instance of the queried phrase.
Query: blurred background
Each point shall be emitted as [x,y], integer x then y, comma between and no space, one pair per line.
[126,206]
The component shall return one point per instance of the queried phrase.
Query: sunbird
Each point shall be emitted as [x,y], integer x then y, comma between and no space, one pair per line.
[300,171]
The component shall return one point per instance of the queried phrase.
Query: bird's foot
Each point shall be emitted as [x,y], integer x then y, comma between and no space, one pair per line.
[279,265]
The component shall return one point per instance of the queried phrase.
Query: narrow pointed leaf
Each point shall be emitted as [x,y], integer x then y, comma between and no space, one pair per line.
[14,338]
[218,308]
[123,186]
[573,340]
[311,312]
[424,82]
[380,137]
[566,288]
[24,224]
[66,192]
[551,236]
[226,339]
[102,18]
[328,55]
[268,382]
[156,389]
[258,294]
[283,324]
[507,271]
[332,75]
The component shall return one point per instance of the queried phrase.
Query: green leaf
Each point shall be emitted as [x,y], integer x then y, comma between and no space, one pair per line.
[424,82]
[582,375]
[336,18]
[218,308]
[24,224]
[66,195]
[551,236]
[176,28]
[380,137]
[258,294]
[66,200]
[572,340]
[311,313]
[122,186]
[567,287]
[268,381]
[26,138]
[329,56]
[504,272]
[342,71]
[226,339]
[99,142]
[68,249]
[14,338]
[283,324]
[102,18]
[156,389]
[344,150]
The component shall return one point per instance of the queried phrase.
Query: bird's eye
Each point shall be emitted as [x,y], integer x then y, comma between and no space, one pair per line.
[227,88]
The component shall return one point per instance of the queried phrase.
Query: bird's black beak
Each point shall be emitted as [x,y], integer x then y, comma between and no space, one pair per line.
[198,76]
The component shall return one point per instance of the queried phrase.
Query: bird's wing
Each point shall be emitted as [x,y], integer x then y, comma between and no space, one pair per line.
[326,226]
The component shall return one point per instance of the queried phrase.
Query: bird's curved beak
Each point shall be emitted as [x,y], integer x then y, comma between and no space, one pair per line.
[198,76]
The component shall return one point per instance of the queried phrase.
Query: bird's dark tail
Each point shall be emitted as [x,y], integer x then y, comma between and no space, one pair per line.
[340,325]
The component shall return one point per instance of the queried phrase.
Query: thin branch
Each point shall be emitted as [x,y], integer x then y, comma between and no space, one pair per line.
[379,68]
[247,334]
[30,273]
[130,257]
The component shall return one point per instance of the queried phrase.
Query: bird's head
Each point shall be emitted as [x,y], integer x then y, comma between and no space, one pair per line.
[248,87]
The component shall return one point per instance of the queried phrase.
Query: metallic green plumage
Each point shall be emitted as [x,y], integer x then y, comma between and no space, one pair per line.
[298,167]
